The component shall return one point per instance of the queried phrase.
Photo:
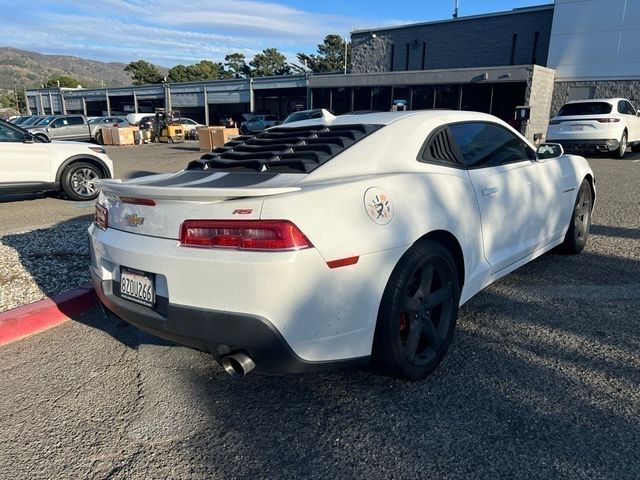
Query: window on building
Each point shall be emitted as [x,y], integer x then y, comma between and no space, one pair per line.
[341,100]
[381,98]
[476,97]
[536,39]
[514,43]
[361,98]
[448,96]
[321,98]
[423,97]
[392,52]
[424,52]
[406,58]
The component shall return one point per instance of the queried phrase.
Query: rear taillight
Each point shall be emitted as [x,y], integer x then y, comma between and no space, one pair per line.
[608,120]
[101,217]
[138,201]
[243,235]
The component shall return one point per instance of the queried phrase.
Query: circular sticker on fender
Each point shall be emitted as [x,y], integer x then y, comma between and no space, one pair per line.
[378,205]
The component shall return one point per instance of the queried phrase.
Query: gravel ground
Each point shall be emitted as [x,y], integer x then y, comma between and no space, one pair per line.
[542,380]
[41,263]
[43,239]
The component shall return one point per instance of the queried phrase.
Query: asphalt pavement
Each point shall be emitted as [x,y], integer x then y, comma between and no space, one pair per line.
[542,380]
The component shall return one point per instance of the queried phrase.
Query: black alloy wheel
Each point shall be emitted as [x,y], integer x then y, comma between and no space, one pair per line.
[418,313]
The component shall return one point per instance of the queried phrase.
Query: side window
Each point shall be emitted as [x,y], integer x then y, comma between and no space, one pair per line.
[489,145]
[630,109]
[8,134]
[75,121]
[622,107]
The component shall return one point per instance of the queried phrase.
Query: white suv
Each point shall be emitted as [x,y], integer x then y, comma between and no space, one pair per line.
[603,125]
[29,165]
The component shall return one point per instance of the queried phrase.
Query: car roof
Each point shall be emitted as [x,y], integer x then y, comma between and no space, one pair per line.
[386,118]
[612,101]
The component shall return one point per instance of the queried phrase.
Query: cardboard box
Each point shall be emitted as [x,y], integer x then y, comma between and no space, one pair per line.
[214,137]
[123,135]
[106,136]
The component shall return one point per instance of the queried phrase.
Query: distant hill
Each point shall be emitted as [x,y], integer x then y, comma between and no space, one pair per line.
[31,69]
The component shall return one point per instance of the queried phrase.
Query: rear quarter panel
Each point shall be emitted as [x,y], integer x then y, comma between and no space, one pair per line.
[334,215]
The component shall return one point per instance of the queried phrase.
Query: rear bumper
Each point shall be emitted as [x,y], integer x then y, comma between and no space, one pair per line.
[214,331]
[579,145]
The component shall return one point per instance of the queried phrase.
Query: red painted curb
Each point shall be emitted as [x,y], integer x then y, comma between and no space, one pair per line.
[23,321]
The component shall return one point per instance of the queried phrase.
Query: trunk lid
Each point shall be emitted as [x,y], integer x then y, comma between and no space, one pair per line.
[157,205]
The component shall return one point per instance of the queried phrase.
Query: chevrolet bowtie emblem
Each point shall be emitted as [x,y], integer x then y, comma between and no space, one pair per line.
[134,220]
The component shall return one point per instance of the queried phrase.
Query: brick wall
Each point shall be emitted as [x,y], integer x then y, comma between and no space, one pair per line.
[465,42]
[539,96]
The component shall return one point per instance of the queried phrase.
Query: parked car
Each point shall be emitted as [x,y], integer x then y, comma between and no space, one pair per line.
[33,120]
[62,127]
[326,243]
[308,114]
[21,119]
[31,165]
[189,124]
[604,125]
[97,123]
[257,123]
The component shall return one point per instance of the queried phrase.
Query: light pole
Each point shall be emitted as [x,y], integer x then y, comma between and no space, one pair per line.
[345,56]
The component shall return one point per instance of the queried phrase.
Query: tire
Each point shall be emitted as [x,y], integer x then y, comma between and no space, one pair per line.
[622,148]
[414,330]
[169,139]
[78,181]
[99,139]
[578,233]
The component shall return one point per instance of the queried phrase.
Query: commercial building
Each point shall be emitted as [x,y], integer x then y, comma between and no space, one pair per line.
[538,57]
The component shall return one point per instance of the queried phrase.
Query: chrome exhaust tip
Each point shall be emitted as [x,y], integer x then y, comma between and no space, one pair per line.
[238,364]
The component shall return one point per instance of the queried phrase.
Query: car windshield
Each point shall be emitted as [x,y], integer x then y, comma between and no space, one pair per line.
[586,108]
[303,115]
[31,121]
[46,120]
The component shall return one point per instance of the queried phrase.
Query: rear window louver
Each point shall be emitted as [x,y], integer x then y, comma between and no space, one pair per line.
[280,149]
[440,148]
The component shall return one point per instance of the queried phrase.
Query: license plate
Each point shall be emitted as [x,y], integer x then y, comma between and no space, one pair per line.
[577,128]
[137,286]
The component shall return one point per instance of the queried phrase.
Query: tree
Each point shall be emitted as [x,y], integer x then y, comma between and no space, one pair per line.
[330,56]
[204,70]
[143,72]
[268,63]
[237,66]
[63,81]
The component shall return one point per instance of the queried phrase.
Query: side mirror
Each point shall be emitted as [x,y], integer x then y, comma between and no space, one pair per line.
[28,138]
[546,151]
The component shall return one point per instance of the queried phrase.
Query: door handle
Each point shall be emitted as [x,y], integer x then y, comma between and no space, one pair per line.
[490,191]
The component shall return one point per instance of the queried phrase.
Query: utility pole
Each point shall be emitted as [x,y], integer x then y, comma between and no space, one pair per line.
[345,56]
[455,9]
[15,93]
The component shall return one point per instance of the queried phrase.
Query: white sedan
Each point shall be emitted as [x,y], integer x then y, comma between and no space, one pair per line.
[333,241]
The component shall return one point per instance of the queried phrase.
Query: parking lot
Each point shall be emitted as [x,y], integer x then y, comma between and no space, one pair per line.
[542,378]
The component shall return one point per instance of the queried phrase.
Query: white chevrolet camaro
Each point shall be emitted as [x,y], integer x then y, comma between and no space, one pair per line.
[333,241]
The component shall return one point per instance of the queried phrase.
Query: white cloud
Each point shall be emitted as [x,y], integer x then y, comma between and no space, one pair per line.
[155,30]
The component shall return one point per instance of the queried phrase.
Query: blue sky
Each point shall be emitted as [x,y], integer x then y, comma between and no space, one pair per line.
[157,31]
